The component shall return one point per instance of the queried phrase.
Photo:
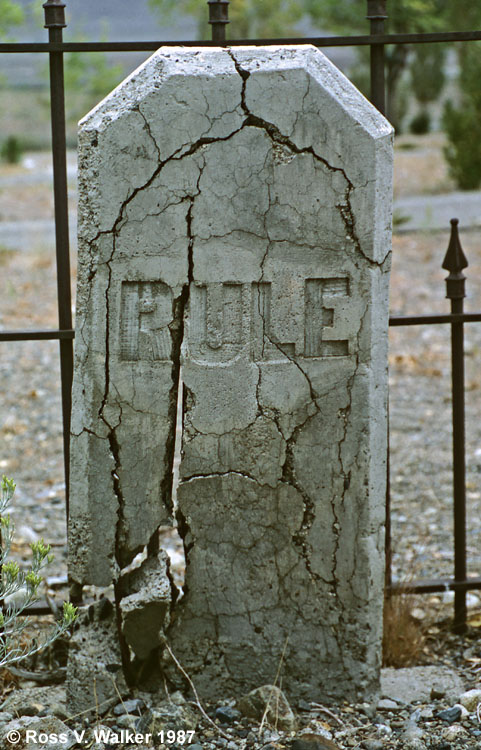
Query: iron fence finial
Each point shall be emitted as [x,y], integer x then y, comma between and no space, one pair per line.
[218,18]
[454,262]
[376,10]
[54,14]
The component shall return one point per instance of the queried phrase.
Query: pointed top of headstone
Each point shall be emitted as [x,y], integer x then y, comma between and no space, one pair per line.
[455,259]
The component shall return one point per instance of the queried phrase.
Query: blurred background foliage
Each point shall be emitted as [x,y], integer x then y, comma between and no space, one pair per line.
[11,15]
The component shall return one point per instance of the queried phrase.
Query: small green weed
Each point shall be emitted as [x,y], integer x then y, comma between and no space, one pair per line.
[22,586]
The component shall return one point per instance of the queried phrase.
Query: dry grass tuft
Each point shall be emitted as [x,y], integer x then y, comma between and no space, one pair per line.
[403,636]
[6,255]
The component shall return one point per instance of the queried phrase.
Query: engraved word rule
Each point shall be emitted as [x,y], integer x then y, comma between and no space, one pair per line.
[226,318]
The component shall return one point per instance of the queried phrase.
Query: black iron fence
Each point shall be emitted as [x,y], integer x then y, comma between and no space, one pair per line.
[454,261]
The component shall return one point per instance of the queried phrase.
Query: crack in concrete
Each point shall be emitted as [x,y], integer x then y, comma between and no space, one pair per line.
[147,129]
[230,472]
[89,432]
[115,452]
[183,300]
[288,474]
[176,329]
[273,131]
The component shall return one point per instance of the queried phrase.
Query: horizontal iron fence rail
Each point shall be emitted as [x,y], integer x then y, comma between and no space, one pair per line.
[364,40]
[36,335]
[415,320]
[435,585]
[394,321]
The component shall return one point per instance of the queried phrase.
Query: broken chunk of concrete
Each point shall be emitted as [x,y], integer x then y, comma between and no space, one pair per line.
[145,604]
[94,676]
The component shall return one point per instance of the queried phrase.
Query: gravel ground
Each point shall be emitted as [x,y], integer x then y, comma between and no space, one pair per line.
[419,166]
[423,709]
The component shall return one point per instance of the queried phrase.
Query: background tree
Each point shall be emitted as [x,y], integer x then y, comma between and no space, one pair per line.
[427,81]
[248,18]
[462,122]
[11,15]
[404,16]
[270,18]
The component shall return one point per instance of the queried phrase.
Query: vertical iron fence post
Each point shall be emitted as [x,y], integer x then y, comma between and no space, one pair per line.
[376,14]
[218,19]
[454,262]
[387,532]
[55,23]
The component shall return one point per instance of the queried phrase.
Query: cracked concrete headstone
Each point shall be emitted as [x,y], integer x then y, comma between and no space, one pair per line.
[235,213]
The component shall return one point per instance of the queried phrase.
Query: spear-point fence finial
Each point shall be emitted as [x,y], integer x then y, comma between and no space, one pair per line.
[54,14]
[218,18]
[454,262]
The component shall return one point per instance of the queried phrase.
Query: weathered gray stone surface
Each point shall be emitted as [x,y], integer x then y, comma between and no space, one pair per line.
[30,701]
[415,683]
[15,733]
[235,211]
[268,702]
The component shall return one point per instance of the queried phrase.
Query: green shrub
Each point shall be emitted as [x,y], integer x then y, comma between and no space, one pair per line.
[462,153]
[420,124]
[427,72]
[12,150]
[462,123]
[22,587]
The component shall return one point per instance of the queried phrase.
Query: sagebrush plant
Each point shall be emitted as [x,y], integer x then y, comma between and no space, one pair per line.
[21,587]
[403,637]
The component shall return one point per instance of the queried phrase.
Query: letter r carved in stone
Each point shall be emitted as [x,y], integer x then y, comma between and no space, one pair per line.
[146,311]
